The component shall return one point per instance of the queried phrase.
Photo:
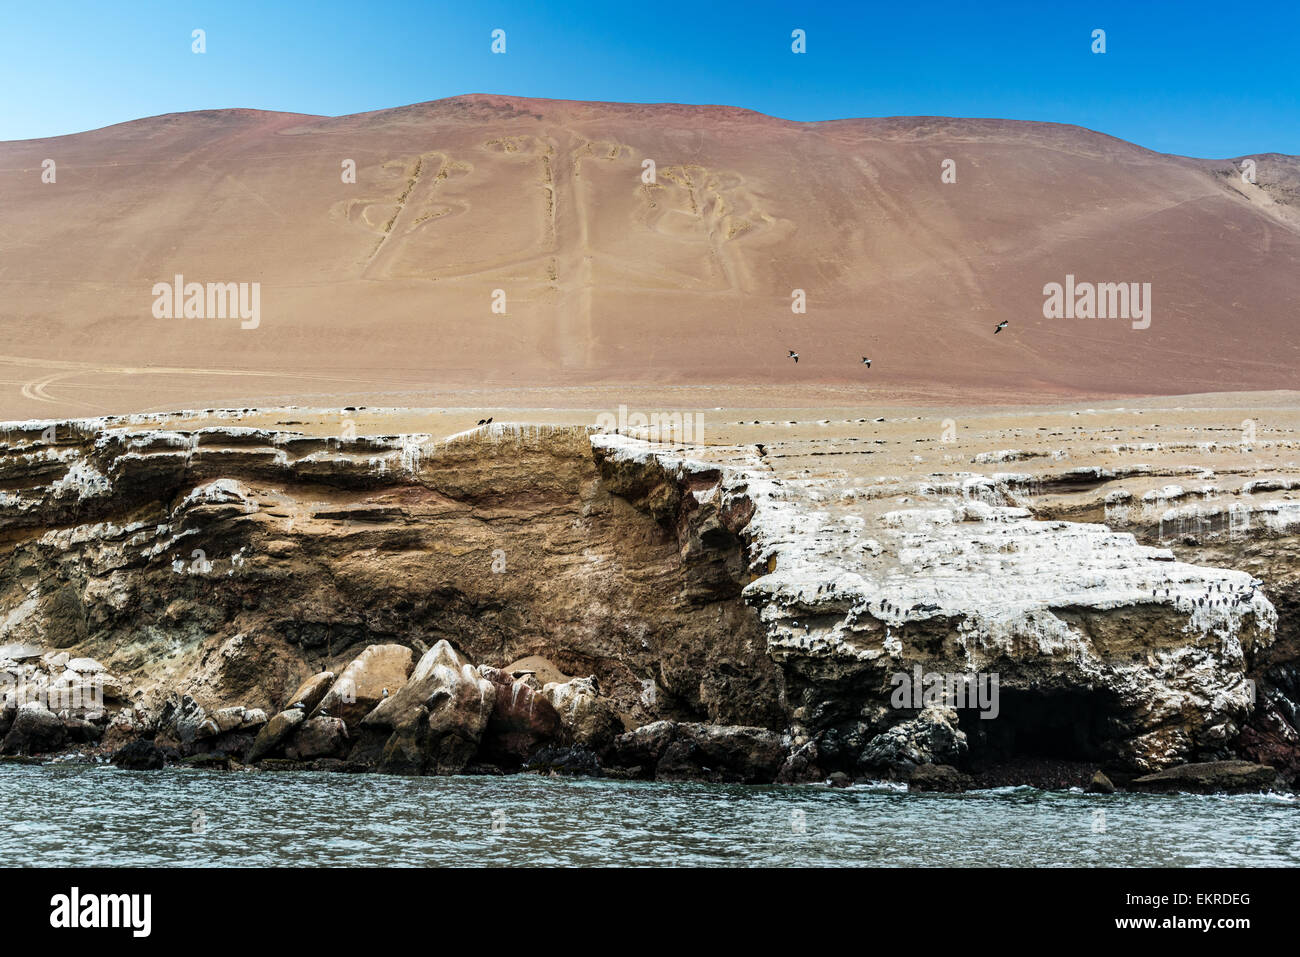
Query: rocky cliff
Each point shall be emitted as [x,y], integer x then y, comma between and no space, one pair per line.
[569,599]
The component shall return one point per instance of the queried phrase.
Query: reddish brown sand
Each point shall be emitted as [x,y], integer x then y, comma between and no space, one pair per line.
[671,296]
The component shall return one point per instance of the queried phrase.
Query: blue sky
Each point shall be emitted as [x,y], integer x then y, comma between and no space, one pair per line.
[1198,78]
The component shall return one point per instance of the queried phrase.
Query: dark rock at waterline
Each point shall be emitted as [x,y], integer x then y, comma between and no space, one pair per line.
[644,745]
[1211,777]
[932,737]
[1100,784]
[938,777]
[1271,738]
[839,779]
[522,720]
[35,730]
[562,760]
[703,752]
[801,766]
[139,755]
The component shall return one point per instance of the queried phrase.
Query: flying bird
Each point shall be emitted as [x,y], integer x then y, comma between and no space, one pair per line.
[866,362]
[1001,325]
[795,356]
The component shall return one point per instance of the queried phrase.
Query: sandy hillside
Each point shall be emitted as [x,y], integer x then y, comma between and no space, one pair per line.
[675,294]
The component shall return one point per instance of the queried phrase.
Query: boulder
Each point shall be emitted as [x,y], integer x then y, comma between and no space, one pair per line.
[800,767]
[703,752]
[360,687]
[138,755]
[1211,777]
[588,719]
[561,759]
[183,722]
[317,738]
[311,691]
[273,735]
[437,718]
[839,779]
[123,728]
[938,777]
[35,730]
[522,721]
[932,737]
[1100,784]
[643,746]
[228,719]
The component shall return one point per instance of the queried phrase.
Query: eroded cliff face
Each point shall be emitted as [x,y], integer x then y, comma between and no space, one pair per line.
[1103,648]
[231,563]
[558,586]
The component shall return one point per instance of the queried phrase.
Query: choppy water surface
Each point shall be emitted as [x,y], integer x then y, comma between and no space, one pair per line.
[82,815]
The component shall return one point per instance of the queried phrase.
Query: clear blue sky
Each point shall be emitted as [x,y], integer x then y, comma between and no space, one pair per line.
[1198,78]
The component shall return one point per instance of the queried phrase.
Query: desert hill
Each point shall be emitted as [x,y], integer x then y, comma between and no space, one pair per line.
[383,289]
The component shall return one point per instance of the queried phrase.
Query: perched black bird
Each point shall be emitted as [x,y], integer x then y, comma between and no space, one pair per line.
[489,421]
[482,421]
[1001,325]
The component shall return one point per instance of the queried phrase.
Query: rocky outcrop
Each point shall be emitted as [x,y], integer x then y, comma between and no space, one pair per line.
[436,720]
[1210,778]
[523,720]
[668,751]
[319,737]
[729,623]
[35,730]
[1080,624]
[273,736]
[139,755]
[365,682]
[588,718]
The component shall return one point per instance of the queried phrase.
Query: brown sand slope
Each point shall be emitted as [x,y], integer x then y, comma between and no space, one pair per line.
[381,291]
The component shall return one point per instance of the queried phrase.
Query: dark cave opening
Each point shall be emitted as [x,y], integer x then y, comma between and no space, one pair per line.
[1067,725]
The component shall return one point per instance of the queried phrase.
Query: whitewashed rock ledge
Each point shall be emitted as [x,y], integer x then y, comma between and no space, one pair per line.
[1119,636]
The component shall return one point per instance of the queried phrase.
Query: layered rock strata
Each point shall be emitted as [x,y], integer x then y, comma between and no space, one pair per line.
[565,598]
